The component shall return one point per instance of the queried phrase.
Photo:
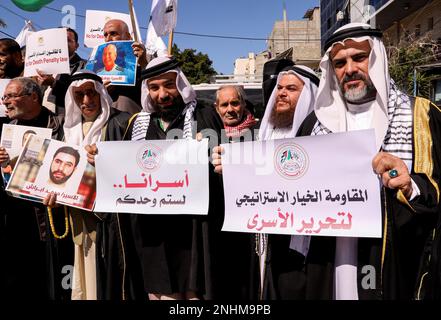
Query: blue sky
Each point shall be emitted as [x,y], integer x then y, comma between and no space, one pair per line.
[236,18]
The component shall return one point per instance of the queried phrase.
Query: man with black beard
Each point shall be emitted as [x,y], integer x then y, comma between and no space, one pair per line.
[63,166]
[175,253]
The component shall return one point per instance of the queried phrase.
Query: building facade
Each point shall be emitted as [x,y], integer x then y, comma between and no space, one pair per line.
[301,35]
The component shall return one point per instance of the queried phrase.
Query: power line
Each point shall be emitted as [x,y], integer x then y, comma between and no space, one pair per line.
[58,10]
[242,38]
[7,34]
[209,35]
[19,15]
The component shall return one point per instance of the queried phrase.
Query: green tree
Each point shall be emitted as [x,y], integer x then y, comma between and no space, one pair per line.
[409,55]
[196,65]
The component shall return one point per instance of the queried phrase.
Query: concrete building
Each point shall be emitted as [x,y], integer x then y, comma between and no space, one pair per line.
[301,35]
[399,18]
[243,67]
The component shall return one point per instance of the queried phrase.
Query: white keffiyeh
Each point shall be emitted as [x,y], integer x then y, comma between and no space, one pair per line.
[187,93]
[73,123]
[389,114]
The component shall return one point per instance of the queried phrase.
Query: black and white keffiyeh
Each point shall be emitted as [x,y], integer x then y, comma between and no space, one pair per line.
[398,139]
[389,114]
[186,91]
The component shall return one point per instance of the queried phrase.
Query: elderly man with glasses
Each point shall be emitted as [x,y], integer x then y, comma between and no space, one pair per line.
[25,243]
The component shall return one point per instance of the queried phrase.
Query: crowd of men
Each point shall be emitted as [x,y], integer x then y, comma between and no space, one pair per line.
[161,257]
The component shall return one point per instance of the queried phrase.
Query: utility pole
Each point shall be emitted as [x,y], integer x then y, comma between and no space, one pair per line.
[285,28]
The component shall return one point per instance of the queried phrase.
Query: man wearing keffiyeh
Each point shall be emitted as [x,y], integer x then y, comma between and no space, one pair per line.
[89,118]
[291,100]
[356,93]
[175,252]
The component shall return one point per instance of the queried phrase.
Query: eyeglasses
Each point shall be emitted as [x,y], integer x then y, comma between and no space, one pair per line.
[13,96]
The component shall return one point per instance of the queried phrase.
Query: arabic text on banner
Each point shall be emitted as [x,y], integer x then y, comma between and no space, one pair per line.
[47,51]
[318,185]
[153,177]
[94,25]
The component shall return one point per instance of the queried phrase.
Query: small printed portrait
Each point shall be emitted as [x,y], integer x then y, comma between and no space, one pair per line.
[109,57]
[114,61]
[26,135]
[63,165]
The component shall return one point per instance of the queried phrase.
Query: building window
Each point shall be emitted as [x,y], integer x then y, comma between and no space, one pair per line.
[430,24]
[417,30]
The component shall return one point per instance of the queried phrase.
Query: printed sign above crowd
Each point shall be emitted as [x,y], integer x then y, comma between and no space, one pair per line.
[114,61]
[299,186]
[47,51]
[94,28]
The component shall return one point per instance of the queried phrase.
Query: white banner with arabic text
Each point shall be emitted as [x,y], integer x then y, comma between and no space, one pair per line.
[152,177]
[317,185]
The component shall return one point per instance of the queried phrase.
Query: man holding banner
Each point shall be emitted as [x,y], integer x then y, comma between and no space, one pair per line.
[291,100]
[89,118]
[175,252]
[34,246]
[356,92]
[128,98]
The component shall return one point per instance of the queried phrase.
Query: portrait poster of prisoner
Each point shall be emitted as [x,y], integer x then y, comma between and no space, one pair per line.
[114,61]
[45,166]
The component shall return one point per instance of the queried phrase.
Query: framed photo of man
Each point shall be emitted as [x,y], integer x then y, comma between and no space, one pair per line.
[95,22]
[46,166]
[114,61]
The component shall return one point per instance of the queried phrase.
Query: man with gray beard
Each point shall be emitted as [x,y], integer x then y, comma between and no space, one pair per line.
[355,93]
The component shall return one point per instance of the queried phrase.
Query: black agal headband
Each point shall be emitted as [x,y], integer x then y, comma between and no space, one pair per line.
[160,68]
[352,33]
[85,75]
[312,77]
